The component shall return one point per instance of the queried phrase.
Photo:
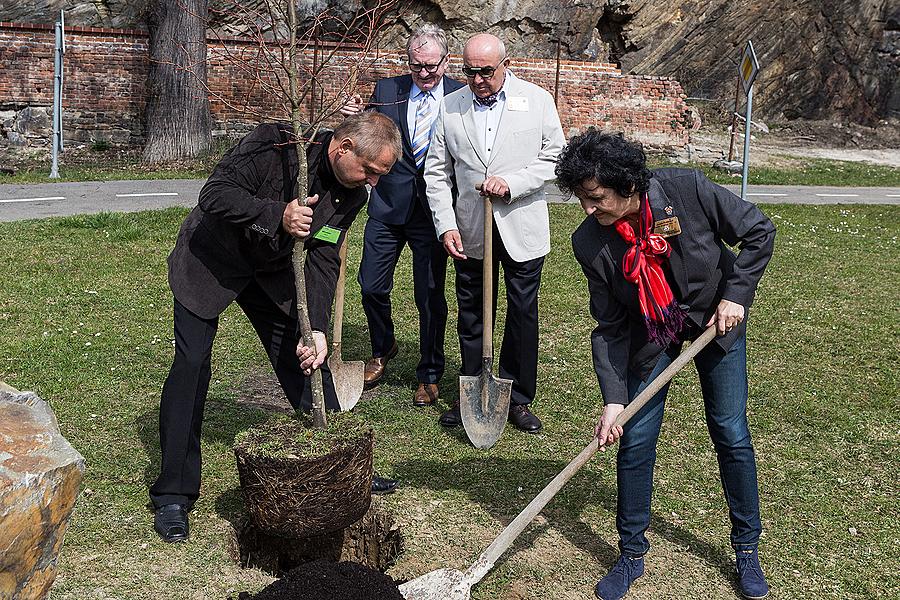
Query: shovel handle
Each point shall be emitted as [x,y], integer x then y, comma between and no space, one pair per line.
[338,329]
[503,541]
[668,373]
[487,287]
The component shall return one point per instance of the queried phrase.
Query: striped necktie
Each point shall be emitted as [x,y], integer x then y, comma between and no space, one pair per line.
[422,135]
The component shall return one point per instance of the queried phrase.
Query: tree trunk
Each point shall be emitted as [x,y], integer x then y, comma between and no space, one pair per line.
[298,258]
[178,119]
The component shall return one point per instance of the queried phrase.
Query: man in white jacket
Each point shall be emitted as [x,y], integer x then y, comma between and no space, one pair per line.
[501,134]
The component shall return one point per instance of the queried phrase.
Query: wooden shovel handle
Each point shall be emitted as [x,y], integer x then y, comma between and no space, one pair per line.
[338,328]
[487,287]
[486,561]
[663,378]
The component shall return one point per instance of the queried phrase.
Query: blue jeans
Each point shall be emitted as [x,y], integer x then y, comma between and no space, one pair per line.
[723,379]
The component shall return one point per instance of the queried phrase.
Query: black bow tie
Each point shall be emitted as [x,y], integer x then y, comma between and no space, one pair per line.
[487,100]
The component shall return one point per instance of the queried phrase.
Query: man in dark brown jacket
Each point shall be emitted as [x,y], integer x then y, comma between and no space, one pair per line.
[236,245]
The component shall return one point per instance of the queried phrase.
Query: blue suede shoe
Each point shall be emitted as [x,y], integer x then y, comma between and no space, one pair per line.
[620,577]
[750,576]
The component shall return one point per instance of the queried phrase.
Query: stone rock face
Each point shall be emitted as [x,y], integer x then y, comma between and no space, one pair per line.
[40,474]
[26,127]
[86,13]
[820,58]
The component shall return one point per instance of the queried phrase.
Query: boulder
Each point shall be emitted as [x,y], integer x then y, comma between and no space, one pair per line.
[40,475]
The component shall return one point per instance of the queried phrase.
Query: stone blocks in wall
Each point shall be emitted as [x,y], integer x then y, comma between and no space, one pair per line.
[40,475]
[29,126]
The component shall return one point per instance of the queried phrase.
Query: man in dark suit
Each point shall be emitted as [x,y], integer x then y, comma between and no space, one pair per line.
[656,251]
[399,214]
[236,245]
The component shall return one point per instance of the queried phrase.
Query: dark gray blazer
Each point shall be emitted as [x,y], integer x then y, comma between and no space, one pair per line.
[234,235]
[702,270]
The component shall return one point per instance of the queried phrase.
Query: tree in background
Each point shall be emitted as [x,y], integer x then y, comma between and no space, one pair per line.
[178,117]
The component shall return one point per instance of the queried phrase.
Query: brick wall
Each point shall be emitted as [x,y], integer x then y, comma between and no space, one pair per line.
[106,70]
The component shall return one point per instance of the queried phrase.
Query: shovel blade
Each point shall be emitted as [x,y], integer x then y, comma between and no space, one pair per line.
[348,380]
[443,584]
[484,407]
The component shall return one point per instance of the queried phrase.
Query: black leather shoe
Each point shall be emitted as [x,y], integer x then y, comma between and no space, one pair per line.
[383,485]
[523,419]
[451,418]
[171,523]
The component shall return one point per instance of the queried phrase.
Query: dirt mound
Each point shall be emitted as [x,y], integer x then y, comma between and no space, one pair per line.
[323,580]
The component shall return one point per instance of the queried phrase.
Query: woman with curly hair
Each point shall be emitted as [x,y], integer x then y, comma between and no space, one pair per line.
[655,250]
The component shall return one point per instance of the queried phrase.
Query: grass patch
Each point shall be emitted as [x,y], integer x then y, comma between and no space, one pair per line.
[111,164]
[808,171]
[108,173]
[103,161]
[86,318]
[289,436]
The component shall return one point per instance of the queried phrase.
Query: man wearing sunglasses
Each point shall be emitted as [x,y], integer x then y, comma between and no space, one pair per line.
[399,215]
[501,135]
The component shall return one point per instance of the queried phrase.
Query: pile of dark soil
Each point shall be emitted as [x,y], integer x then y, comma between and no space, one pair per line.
[323,580]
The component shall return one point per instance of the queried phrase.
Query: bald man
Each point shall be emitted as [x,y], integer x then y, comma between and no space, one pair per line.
[501,134]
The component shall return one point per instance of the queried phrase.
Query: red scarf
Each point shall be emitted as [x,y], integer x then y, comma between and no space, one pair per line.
[642,265]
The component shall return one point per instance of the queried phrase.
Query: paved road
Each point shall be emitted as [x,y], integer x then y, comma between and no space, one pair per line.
[36,201]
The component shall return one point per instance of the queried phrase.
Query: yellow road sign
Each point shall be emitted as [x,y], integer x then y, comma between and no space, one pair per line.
[748,67]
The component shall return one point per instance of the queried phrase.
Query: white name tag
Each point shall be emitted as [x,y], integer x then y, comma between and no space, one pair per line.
[517,103]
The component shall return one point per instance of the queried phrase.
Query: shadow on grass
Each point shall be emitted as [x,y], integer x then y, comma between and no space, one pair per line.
[223,419]
[481,478]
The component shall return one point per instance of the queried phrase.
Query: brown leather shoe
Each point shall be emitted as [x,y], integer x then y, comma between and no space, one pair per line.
[426,395]
[523,419]
[376,366]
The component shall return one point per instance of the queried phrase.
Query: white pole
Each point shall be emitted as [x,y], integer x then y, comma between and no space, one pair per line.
[57,103]
[747,143]
[62,55]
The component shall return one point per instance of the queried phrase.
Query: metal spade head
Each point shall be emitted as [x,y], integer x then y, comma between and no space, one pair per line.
[484,406]
[348,378]
[443,584]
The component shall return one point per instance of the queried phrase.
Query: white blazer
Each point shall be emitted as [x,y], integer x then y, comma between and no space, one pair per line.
[529,140]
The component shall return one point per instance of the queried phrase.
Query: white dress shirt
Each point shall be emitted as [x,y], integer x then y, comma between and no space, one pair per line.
[412,106]
[487,119]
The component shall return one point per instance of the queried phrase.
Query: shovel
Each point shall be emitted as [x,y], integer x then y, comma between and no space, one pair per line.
[484,399]
[450,584]
[347,376]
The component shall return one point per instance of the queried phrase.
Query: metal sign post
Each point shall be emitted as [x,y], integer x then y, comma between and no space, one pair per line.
[57,97]
[748,69]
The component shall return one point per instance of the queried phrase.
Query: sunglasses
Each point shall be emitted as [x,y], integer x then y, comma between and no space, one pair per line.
[485,72]
[417,68]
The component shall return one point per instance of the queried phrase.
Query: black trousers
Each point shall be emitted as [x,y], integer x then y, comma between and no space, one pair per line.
[382,244]
[184,392]
[519,350]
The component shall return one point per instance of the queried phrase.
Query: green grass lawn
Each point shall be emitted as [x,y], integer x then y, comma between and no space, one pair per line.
[805,171]
[86,319]
[126,165]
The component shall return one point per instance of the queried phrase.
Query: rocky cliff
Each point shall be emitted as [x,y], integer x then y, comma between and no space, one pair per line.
[820,58]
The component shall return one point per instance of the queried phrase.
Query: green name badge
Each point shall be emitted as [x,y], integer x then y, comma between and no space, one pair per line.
[328,234]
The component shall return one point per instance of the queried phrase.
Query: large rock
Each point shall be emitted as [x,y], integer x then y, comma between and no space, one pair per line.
[40,474]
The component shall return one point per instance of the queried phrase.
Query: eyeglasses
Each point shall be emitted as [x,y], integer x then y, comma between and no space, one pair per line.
[485,72]
[417,68]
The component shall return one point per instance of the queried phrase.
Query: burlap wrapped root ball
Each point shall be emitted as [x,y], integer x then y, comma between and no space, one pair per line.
[299,481]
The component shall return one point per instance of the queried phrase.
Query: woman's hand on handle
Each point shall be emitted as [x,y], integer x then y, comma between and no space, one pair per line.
[606,431]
